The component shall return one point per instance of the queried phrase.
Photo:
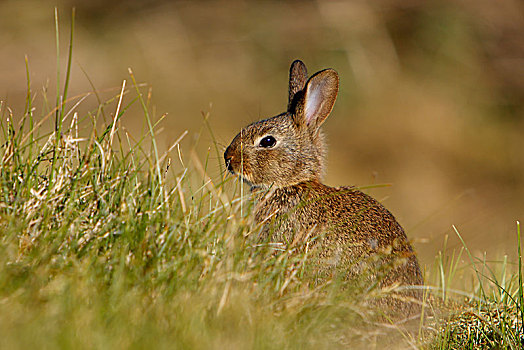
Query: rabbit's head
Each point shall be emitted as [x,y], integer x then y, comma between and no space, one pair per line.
[289,148]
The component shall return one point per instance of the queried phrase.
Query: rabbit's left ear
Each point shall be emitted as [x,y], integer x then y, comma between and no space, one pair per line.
[297,80]
[319,97]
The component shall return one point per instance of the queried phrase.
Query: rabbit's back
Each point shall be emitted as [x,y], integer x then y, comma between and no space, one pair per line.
[351,230]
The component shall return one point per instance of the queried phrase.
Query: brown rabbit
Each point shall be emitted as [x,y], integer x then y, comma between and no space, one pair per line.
[283,159]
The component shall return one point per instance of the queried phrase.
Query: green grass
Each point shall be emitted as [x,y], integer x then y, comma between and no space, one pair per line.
[491,314]
[107,243]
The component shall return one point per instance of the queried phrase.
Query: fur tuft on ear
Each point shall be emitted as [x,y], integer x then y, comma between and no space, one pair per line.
[297,80]
[320,94]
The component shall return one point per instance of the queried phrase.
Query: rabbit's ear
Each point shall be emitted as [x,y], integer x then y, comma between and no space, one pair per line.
[319,97]
[297,79]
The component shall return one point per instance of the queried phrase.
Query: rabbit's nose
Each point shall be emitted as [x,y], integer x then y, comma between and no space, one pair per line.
[229,166]
[228,158]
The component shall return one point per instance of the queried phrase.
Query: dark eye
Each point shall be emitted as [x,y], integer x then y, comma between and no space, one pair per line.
[268,142]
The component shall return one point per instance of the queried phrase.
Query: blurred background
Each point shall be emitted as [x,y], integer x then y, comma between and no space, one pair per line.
[431,93]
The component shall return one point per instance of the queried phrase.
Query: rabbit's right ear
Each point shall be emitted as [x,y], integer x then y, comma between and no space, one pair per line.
[297,80]
[318,99]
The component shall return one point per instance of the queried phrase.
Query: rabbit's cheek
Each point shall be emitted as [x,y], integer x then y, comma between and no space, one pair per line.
[246,171]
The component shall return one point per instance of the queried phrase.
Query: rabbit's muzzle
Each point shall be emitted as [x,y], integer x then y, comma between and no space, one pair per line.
[237,161]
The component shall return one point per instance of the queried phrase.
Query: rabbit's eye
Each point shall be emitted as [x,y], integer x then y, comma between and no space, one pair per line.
[268,142]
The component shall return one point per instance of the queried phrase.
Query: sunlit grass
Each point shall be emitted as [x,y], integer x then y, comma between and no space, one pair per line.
[490,314]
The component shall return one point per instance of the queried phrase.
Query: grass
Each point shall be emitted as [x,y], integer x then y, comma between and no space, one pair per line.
[107,243]
[491,315]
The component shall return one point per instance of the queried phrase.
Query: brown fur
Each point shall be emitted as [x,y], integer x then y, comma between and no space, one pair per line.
[350,231]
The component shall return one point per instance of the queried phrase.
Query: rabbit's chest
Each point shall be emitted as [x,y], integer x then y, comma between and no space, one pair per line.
[290,220]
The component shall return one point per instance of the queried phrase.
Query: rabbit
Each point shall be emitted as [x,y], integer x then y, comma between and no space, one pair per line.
[283,160]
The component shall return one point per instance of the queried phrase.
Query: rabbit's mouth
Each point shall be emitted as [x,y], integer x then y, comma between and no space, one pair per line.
[245,176]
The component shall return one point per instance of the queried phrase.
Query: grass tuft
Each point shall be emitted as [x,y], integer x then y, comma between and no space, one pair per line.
[491,316]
